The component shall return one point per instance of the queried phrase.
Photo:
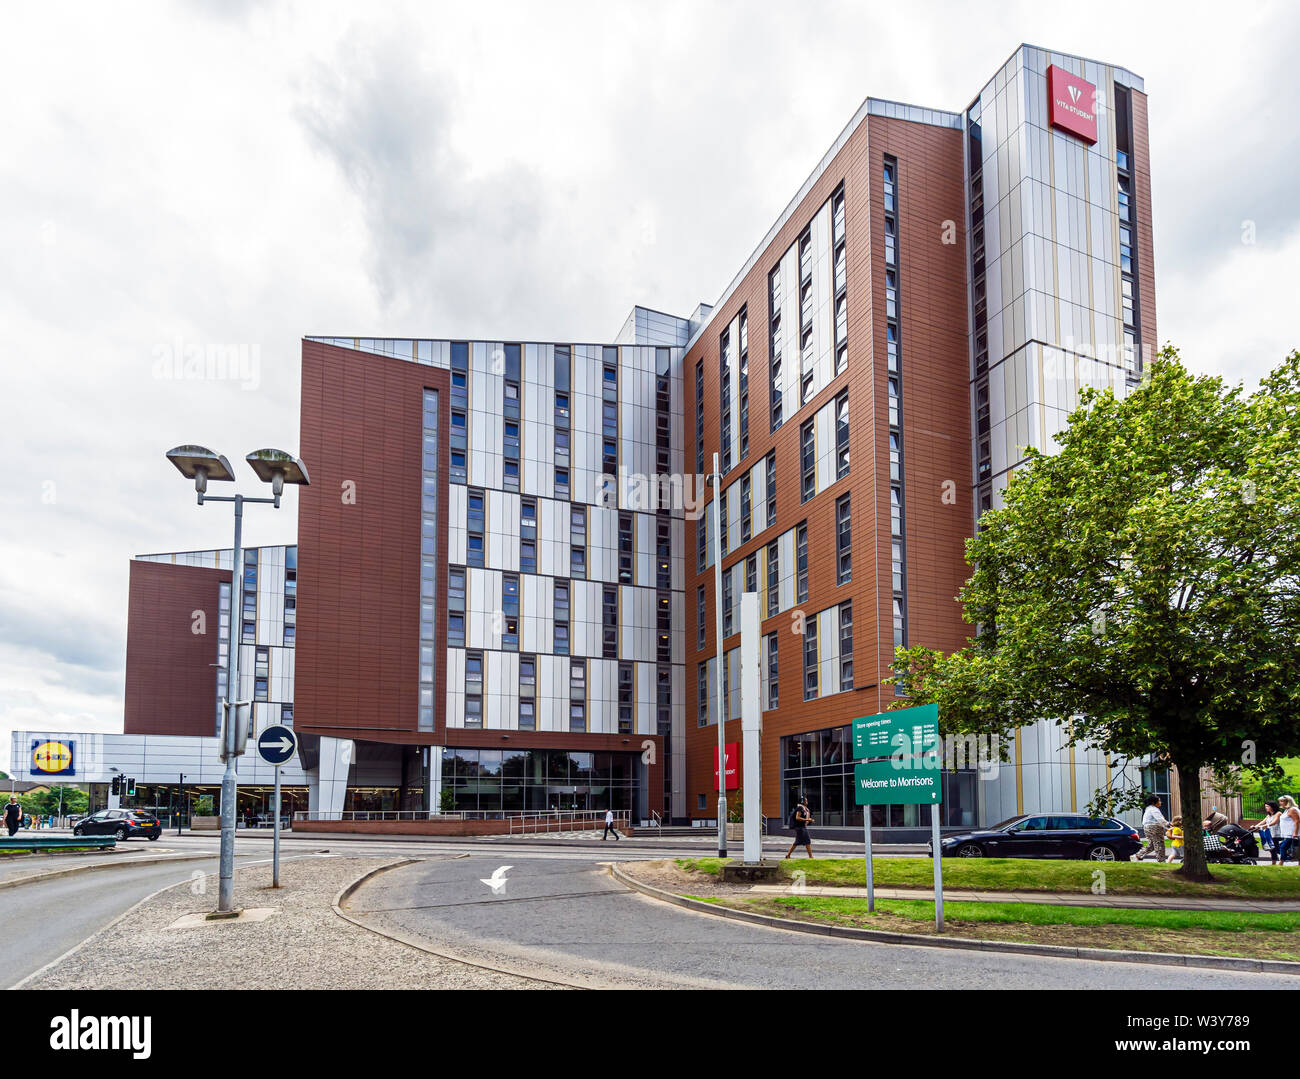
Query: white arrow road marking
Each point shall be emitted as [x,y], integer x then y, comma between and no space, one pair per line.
[497,882]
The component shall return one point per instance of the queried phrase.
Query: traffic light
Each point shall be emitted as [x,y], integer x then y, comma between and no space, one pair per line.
[130,787]
[115,788]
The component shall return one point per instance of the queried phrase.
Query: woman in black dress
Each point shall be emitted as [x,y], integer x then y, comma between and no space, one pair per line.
[800,819]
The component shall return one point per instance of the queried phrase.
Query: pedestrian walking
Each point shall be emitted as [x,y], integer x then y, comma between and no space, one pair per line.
[13,814]
[1265,828]
[1175,840]
[609,826]
[800,818]
[1153,827]
[1288,828]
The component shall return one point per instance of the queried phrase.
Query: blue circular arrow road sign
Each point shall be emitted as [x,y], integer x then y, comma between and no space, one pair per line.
[277,744]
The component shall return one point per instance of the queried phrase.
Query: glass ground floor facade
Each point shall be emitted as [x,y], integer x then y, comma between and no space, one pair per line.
[819,765]
[505,780]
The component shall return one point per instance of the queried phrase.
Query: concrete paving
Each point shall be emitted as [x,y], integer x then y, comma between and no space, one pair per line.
[569,920]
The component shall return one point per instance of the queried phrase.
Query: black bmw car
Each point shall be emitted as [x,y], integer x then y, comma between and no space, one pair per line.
[123,823]
[1054,835]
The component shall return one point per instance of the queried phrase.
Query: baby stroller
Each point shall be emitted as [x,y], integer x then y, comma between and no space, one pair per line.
[1231,845]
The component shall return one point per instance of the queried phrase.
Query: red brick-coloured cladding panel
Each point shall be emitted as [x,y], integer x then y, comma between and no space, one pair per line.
[1146,281]
[171,683]
[357,663]
[936,438]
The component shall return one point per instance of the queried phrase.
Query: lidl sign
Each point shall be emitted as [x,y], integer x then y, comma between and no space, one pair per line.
[53,758]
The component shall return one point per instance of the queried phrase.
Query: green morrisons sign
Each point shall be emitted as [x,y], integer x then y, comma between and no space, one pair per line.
[895,782]
[908,740]
[904,732]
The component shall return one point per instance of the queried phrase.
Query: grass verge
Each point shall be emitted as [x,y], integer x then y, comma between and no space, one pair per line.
[1035,875]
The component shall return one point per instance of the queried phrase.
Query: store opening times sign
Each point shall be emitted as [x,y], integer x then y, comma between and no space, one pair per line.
[905,732]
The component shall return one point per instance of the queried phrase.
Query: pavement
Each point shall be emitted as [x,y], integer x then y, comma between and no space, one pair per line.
[297,943]
[568,920]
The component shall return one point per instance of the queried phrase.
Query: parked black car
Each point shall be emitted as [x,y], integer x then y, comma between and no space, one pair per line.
[123,823]
[1051,835]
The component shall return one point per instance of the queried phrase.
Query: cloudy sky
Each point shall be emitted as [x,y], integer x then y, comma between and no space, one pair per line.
[241,174]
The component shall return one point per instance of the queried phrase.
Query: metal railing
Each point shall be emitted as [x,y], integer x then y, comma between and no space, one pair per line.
[564,820]
[395,814]
[658,822]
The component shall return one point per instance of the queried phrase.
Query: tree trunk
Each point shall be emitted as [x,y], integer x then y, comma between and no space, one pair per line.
[1194,866]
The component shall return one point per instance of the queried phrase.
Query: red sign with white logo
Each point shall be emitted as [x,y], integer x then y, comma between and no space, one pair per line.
[733,772]
[1072,103]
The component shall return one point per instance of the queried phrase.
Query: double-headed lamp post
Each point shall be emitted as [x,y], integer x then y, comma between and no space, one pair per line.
[276,468]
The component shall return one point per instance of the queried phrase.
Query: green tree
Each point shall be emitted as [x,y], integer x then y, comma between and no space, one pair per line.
[1141,586]
[47,802]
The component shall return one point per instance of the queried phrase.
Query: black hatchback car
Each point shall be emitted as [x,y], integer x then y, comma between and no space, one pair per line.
[1052,835]
[123,823]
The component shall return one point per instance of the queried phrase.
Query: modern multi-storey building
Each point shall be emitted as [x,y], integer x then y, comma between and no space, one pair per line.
[927,306]
[504,597]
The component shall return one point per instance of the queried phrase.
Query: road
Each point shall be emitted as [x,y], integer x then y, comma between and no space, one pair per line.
[561,916]
[568,920]
[41,920]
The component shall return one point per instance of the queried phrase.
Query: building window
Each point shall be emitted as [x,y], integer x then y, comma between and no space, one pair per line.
[527,692]
[476,526]
[773,578]
[846,646]
[664,626]
[261,673]
[771,681]
[459,437]
[839,260]
[843,541]
[429,556]
[510,612]
[701,618]
[663,550]
[801,563]
[807,370]
[577,695]
[609,622]
[626,549]
[746,501]
[842,435]
[699,417]
[626,698]
[455,609]
[560,617]
[744,384]
[474,689]
[769,471]
[751,573]
[811,673]
[724,364]
[560,417]
[807,461]
[702,694]
[578,541]
[727,601]
[723,528]
[774,375]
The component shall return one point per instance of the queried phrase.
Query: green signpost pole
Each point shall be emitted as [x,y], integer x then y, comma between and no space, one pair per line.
[871,875]
[938,868]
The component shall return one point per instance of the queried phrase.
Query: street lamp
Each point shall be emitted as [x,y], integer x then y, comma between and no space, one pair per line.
[277,468]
